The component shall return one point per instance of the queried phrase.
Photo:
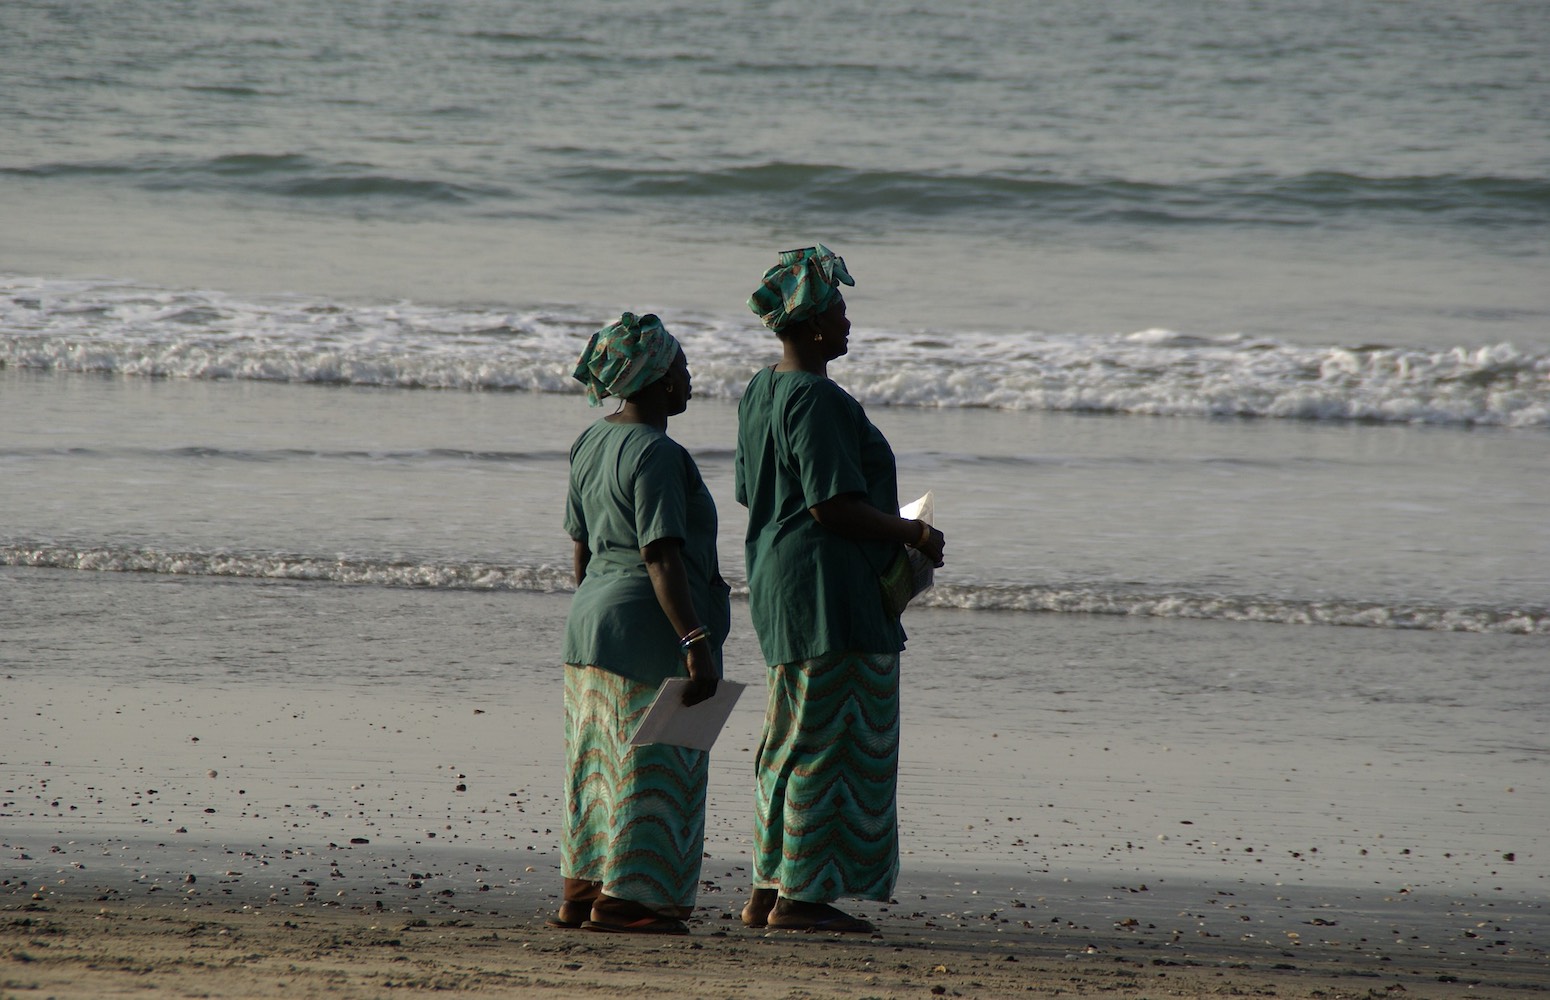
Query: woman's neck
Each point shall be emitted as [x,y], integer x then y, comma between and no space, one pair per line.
[795,359]
[634,413]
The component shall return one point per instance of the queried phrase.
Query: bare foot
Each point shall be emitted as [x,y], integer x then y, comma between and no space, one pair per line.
[756,912]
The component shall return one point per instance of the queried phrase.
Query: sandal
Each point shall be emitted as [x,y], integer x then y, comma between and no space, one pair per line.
[625,916]
[824,919]
[575,904]
[642,925]
[564,920]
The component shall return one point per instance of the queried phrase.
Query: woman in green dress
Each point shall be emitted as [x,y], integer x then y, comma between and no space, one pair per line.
[650,604]
[821,489]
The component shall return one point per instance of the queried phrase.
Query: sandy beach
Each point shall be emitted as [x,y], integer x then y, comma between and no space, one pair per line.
[81,948]
[257,823]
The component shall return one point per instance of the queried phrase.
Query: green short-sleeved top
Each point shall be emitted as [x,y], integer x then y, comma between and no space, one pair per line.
[630,485]
[802,440]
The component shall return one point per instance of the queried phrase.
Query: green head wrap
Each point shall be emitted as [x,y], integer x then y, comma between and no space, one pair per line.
[624,357]
[804,284]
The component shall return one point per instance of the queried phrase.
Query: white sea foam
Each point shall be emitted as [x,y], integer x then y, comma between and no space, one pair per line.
[549,578]
[1238,608]
[129,330]
[543,578]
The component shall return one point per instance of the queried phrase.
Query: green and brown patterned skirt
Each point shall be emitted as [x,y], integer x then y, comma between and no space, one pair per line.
[634,816]
[825,815]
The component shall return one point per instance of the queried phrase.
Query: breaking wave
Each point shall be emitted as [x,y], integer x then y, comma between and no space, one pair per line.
[128,330]
[553,578]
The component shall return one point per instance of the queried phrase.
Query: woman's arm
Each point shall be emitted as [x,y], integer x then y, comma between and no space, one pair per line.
[580,556]
[850,515]
[664,564]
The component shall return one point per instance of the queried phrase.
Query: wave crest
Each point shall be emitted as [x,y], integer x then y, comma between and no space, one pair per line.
[85,327]
[282,175]
[1277,611]
[1256,198]
[553,578]
[542,578]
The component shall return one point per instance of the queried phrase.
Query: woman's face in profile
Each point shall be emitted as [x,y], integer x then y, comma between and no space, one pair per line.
[834,327]
[678,377]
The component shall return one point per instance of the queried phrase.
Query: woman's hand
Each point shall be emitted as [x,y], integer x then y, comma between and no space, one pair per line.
[933,545]
[702,675]
[849,514]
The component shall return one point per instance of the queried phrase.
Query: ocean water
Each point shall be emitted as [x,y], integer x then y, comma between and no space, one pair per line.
[1310,172]
[1183,309]
[1220,332]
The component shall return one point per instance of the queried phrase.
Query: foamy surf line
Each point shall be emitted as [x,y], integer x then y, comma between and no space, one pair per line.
[129,330]
[550,578]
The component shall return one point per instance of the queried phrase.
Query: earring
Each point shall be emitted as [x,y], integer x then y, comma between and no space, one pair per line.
[817,338]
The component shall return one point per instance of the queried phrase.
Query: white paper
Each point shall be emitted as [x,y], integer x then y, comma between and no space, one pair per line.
[923,509]
[695,727]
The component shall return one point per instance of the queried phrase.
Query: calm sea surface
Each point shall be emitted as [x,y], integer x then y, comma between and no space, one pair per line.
[1183,309]
[1319,172]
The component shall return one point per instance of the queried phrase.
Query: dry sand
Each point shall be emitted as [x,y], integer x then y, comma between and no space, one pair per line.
[78,948]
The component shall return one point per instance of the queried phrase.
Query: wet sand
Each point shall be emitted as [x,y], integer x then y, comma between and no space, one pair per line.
[274,788]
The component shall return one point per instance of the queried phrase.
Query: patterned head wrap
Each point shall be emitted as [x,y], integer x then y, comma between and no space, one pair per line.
[804,284]
[624,357]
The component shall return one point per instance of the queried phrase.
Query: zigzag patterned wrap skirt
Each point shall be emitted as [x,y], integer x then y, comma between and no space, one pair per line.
[826,809]
[634,816]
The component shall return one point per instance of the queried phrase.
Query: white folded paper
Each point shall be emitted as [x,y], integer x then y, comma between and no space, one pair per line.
[697,726]
[923,509]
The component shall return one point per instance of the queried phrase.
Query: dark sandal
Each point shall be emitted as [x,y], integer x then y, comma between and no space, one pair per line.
[576,902]
[566,918]
[642,925]
[831,921]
